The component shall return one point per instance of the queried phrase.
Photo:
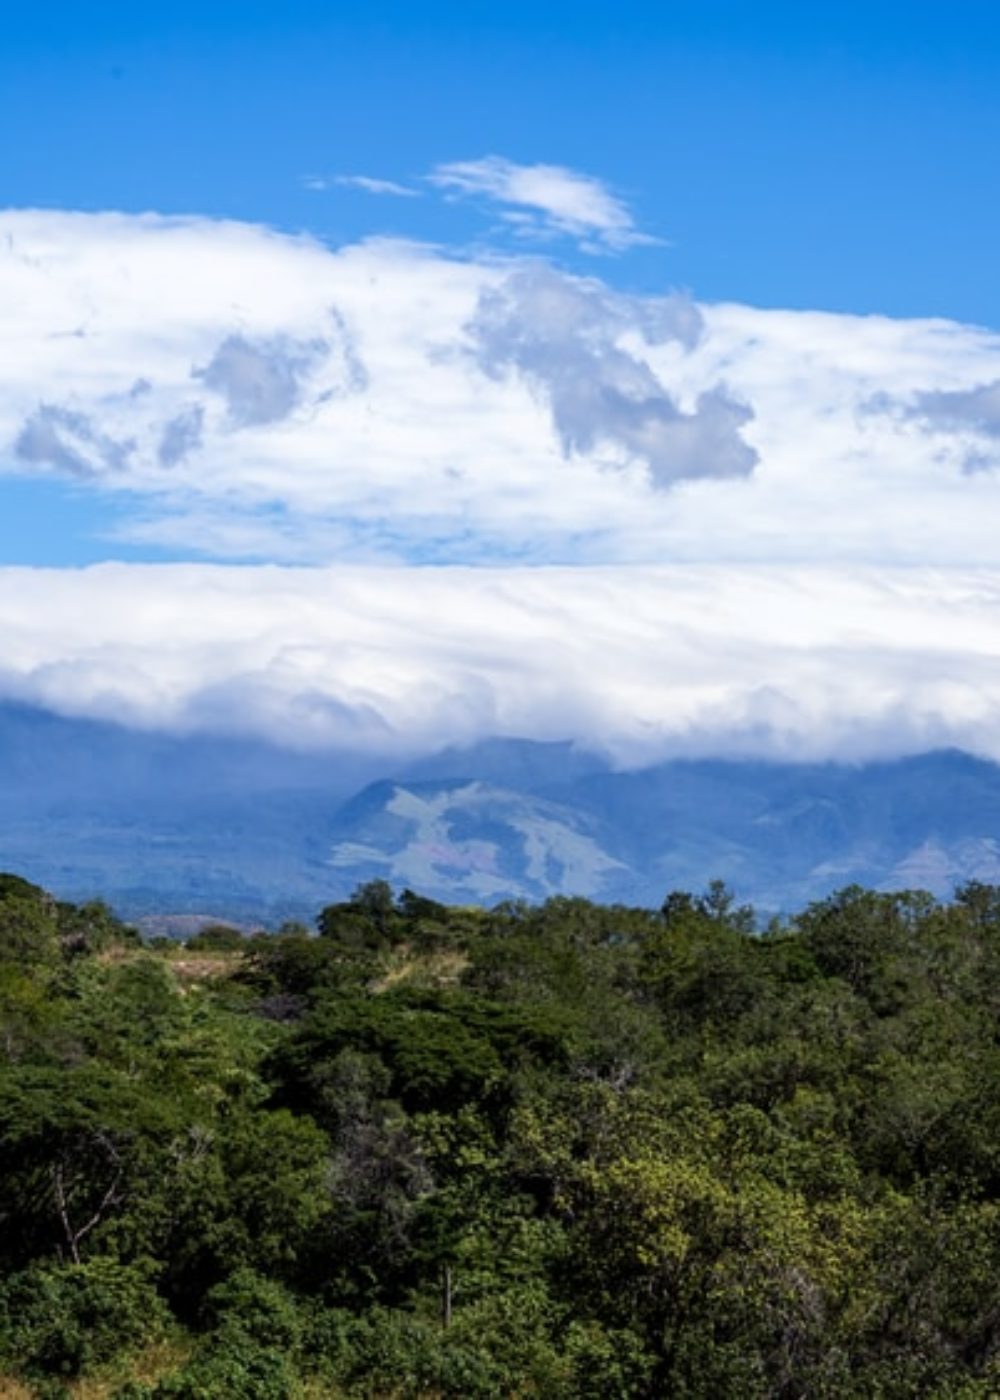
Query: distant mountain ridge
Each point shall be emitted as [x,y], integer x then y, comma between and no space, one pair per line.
[243,829]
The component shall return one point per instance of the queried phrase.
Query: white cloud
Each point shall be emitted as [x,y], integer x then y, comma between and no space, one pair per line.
[971,416]
[797,662]
[747,531]
[370,184]
[66,439]
[546,201]
[562,337]
[260,381]
[263,396]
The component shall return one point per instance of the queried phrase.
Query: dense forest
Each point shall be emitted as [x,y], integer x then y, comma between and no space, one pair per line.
[555,1151]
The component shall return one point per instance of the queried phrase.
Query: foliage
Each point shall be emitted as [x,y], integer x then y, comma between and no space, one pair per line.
[63,1321]
[565,1150]
[216,938]
[231,1364]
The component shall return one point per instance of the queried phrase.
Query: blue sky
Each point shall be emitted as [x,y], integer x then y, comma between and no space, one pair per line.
[669,332]
[811,155]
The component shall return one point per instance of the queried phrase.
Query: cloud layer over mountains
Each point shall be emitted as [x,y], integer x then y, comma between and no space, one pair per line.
[643,662]
[518,500]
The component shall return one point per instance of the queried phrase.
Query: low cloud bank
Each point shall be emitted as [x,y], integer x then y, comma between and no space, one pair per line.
[639,662]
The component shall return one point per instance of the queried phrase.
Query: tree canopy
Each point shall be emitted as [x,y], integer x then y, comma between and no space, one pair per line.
[559,1150]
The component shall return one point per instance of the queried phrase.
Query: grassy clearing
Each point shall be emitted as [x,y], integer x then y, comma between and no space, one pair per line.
[188,966]
[11,1389]
[441,969]
[148,1367]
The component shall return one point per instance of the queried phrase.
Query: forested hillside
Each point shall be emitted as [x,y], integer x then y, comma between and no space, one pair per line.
[565,1150]
[246,830]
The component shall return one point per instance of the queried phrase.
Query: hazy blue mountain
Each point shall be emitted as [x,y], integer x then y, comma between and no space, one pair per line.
[780,834]
[240,828]
[474,840]
[154,822]
[516,763]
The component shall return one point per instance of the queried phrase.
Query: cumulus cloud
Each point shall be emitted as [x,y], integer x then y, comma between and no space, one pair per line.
[267,397]
[796,662]
[546,201]
[975,410]
[62,438]
[564,337]
[963,422]
[181,435]
[259,380]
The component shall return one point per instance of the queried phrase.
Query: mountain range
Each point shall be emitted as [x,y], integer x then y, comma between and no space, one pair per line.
[241,829]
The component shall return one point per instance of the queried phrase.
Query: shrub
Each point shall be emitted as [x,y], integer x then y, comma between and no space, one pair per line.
[260,1308]
[65,1320]
[216,938]
[231,1364]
